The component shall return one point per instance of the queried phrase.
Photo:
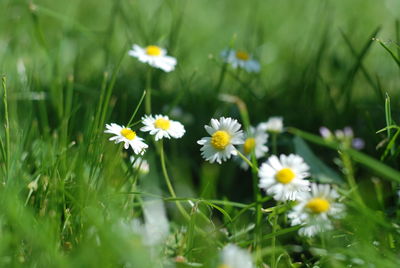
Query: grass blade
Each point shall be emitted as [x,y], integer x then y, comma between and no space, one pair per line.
[371,163]
[394,57]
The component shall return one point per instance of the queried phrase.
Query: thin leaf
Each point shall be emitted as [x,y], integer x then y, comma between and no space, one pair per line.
[318,168]
[226,214]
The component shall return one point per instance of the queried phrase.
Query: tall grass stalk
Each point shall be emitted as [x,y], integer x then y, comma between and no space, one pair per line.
[7,145]
[137,108]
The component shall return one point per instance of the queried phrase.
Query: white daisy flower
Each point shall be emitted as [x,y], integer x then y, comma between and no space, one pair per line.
[155,56]
[274,124]
[255,141]
[234,257]
[128,136]
[225,134]
[315,209]
[140,164]
[284,177]
[162,127]
[241,59]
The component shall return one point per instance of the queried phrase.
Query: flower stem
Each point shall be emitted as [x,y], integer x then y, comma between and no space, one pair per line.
[168,182]
[273,239]
[165,173]
[274,143]
[349,173]
[246,160]
[257,197]
[148,94]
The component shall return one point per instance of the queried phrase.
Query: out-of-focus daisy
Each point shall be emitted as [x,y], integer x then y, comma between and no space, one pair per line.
[140,164]
[283,177]
[155,56]
[128,136]
[274,124]
[178,113]
[155,228]
[315,209]
[162,127]
[241,59]
[255,141]
[225,134]
[234,257]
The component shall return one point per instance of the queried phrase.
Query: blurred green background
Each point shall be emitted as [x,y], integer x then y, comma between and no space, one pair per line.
[301,46]
[319,66]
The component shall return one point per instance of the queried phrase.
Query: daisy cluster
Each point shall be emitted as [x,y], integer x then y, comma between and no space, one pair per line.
[159,126]
[284,177]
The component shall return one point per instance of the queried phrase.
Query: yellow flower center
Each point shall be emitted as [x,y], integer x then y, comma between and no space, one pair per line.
[241,55]
[220,139]
[224,266]
[318,205]
[285,175]
[127,133]
[249,145]
[162,123]
[153,51]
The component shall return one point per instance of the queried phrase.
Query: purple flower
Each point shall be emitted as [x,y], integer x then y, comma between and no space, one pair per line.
[358,143]
[325,132]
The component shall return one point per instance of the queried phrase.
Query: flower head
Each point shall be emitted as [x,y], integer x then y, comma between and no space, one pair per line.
[155,56]
[126,135]
[140,164]
[315,209]
[274,124]
[325,133]
[162,127]
[241,59]
[284,177]
[225,134]
[234,257]
[255,141]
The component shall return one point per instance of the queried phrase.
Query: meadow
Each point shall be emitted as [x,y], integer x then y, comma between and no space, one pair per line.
[221,134]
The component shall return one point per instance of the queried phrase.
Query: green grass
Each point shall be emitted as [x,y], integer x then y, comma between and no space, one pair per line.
[65,189]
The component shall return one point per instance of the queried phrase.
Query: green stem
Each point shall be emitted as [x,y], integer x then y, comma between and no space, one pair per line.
[349,173]
[273,239]
[136,109]
[224,68]
[254,169]
[165,173]
[148,95]
[221,78]
[274,143]
[169,184]
[247,160]
[258,198]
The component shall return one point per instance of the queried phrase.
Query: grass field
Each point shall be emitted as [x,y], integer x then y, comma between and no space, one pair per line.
[70,197]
